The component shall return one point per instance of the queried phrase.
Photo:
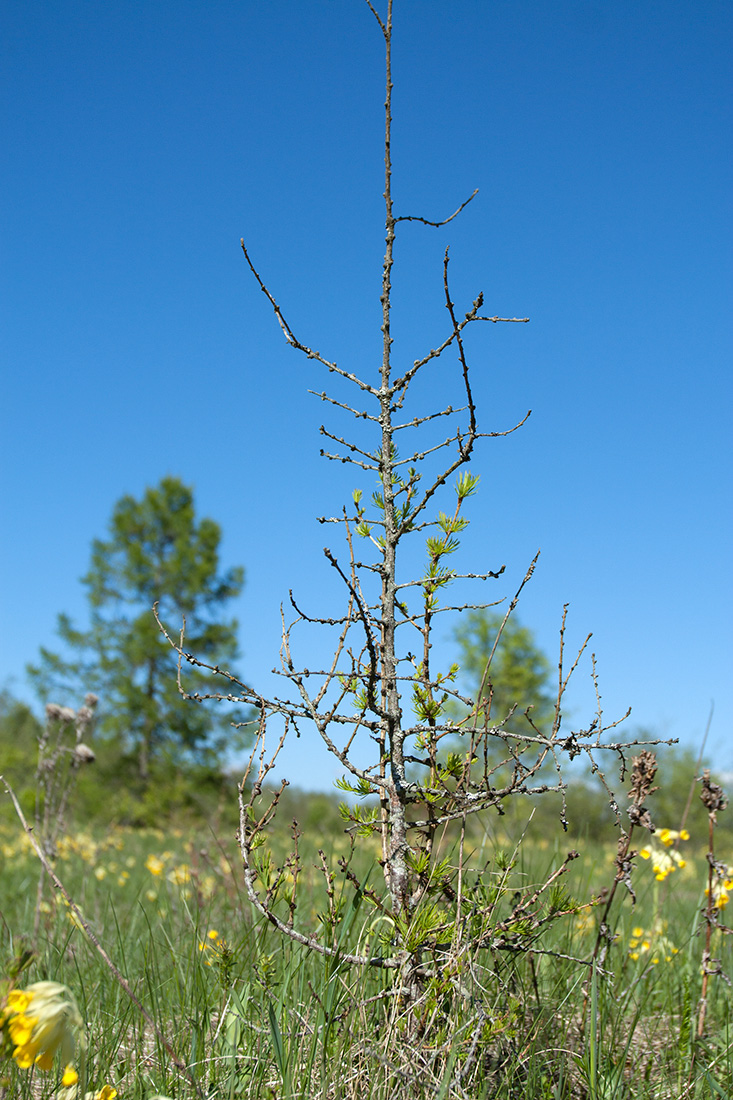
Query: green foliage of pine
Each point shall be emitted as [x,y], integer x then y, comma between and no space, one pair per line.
[157,553]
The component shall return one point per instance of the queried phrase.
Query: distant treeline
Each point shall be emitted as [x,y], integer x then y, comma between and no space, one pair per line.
[109,791]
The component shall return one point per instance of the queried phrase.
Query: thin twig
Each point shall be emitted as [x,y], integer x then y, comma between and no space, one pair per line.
[425,221]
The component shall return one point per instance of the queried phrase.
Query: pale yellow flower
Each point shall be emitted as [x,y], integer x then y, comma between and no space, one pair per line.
[43,1020]
[663,862]
[107,1092]
[180,875]
[722,888]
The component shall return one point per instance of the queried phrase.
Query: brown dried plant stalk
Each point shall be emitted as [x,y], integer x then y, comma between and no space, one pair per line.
[714,799]
[62,750]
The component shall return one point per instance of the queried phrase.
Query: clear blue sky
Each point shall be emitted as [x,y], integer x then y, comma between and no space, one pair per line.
[143,139]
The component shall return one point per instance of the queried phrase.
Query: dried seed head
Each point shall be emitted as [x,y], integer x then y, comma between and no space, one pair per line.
[712,795]
[56,713]
[643,770]
[638,815]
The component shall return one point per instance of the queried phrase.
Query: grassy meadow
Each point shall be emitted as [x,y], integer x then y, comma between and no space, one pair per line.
[519,1010]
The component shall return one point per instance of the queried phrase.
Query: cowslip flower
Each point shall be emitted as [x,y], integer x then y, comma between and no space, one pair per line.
[105,1093]
[722,887]
[669,836]
[43,1020]
[666,859]
[654,943]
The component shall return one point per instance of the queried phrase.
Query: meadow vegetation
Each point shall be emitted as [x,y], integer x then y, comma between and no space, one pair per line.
[251,1013]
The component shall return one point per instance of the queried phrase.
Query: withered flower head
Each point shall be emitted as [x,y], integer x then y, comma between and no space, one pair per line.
[644,768]
[712,795]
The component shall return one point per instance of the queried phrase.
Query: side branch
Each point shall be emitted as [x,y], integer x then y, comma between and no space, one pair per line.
[462,357]
[292,338]
[340,404]
[415,218]
[375,13]
[364,616]
[458,461]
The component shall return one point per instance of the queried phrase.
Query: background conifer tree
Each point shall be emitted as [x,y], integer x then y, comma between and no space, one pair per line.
[156,552]
[518,677]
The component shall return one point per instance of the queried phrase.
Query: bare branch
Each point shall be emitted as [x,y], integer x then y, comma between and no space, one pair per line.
[414,218]
[370,641]
[347,458]
[339,404]
[292,338]
[375,13]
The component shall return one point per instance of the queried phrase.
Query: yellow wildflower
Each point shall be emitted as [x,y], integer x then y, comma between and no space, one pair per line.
[215,941]
[72,1093]
[663,862]
[42,1020]
[180,875]
[722,887]
[655,941]
[154,865]
[669,836]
